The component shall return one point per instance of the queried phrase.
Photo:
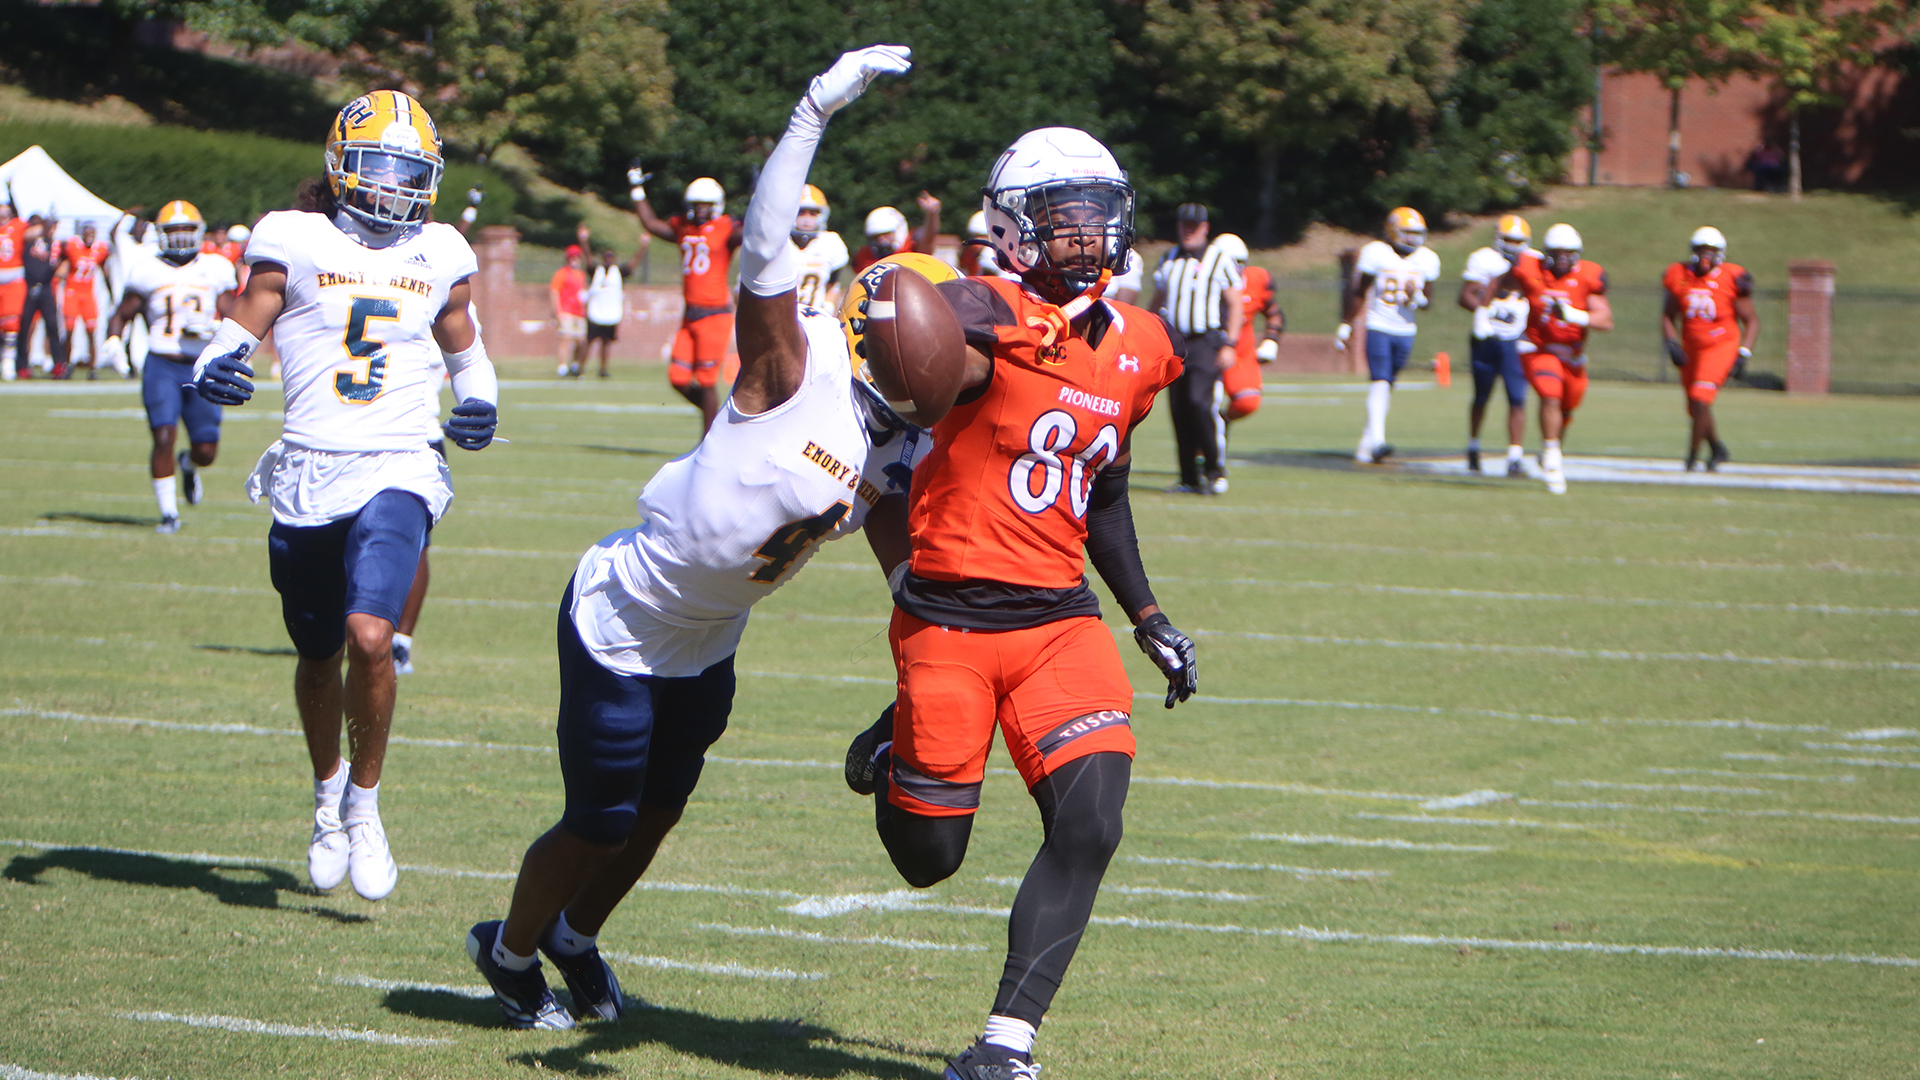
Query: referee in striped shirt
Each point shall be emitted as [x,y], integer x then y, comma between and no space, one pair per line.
[1199,297]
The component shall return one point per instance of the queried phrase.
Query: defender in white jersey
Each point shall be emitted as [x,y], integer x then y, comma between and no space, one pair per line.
[182,292]
[1392,280]
[365,295]
[1499,319]
[803,451]
[818,255]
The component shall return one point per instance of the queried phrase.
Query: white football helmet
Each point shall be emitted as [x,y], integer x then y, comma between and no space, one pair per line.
[704,199]
[887,230]
[239,234]
[977,224]
[1708,237]
[1234,247]
[1562,248]
[1059,183]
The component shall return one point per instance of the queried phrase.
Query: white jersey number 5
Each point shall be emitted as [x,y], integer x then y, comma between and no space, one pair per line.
[360,381]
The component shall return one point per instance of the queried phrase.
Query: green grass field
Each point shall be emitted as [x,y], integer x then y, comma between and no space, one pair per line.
[1696,707]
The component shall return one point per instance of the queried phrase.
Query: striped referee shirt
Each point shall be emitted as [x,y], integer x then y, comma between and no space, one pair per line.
[1190,287]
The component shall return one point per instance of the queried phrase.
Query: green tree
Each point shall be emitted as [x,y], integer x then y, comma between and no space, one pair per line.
[1676,40]
[1300,76]
[1805,44]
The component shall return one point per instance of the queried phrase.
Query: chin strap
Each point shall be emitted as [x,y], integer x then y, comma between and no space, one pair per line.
[1079,305]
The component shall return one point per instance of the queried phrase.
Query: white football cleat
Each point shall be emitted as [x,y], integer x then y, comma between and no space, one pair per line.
[369,860]
[327,851]
[1556,481]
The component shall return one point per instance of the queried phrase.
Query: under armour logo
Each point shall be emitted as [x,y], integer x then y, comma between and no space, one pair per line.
[1129,363]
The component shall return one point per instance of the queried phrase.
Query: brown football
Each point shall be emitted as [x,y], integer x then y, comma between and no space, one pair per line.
[915,349]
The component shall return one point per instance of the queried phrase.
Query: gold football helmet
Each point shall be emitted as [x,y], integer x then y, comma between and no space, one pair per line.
[181,229]
[1406,230]
[383,160]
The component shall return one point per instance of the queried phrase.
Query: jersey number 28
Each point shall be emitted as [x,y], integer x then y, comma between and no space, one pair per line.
[362,380]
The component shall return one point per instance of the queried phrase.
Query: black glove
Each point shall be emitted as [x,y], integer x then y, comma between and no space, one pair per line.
[1740,364]
[227,380]
[1676,354]
[1172,652]
[473,424]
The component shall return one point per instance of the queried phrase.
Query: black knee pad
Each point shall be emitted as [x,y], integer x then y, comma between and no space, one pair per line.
[926,850]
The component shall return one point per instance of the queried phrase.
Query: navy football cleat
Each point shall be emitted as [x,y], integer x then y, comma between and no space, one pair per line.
[190,476]
[861,771]
[987,1061]
[523,995]
[596,992]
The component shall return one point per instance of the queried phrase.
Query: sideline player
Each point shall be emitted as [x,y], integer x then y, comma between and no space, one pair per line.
[14,235]
[38,259]
[652,617]
[1567,300]
[1706,297]
[819,253]
[1392,279]
[566,293]
[182,294]
[364,293]
[707,238]
[81,258]
[1240,385]
[1499,320]
[993,620]
[888,234]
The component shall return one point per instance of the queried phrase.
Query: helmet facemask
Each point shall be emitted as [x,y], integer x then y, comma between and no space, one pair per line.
[1060,237]
[383,187]
[1706,258]
[1562,261]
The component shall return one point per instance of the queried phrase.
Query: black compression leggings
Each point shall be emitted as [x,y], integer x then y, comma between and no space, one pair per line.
[1081,806]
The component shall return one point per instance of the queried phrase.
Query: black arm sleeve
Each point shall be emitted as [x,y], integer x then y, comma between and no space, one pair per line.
[1111,544]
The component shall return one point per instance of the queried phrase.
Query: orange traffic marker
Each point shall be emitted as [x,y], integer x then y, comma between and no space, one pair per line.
[1443,369]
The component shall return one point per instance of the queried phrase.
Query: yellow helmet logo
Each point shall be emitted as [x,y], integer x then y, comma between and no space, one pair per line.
[853,311]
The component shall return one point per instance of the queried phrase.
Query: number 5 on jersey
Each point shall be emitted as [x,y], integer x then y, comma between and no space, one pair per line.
[362,380]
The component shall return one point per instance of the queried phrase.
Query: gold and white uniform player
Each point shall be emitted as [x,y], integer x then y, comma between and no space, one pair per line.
[180,301]
[1399,282]
[736,518]
[817,254]
[359,365]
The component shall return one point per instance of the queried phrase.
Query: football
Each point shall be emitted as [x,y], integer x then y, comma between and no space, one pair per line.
[915,351]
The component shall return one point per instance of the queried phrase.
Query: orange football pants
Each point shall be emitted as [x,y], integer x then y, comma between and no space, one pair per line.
[1707,369]
[1057,692]
[1242,381]
[1552,376]
[698,349]
[13,297]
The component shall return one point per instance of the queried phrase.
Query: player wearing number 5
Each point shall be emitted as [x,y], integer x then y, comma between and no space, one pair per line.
[707,237]
[1392,279]
[1708,298]
[803,452]
[183,293]
[363,293]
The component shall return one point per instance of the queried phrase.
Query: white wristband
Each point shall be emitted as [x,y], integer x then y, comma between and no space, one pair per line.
[472,373]
[1345,332]
[639,193]
[470,214]
[1573,315]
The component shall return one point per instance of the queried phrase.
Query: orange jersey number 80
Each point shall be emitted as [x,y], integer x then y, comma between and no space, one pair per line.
[1046,441]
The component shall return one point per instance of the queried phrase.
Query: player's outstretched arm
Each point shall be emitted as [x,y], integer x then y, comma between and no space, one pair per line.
[475,386]
[773,351]
[222,374]
[1114,550]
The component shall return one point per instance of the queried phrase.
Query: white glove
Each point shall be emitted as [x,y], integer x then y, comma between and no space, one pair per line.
[470,215]
[1341,335]
[848,77]
[1267,351]
[1569,314]
[114,352]
[638,175]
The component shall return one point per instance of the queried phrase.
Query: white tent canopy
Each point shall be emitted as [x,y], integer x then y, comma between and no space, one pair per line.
[40,186]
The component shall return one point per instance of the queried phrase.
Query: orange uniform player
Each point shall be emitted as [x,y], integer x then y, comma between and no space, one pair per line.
[994,623]
[83,258]
[13,278]
[1242,382]
[1567,299]
[707,238]
[1710,303]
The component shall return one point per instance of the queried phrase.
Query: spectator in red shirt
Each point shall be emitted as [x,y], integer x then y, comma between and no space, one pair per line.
[566,291]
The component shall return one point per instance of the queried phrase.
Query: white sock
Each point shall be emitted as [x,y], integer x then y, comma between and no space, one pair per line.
[1514,452]
[404,641]
[363,803]
[1014,1034]
[507,958]
[1473,444]
[1379,396]
[328,792]
[567,941]
[165,494]
[1550,454]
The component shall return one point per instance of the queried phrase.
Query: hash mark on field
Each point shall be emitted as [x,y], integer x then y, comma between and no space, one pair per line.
[244,1026]
[478,993]
[1855,748]
[1735,774]
[1517,823]
[828,907]
[738,971]
[1875,734]
[1716,811]
[823,939]
[1144,890]
[1691,789]
[1364,842]
[15,1072]
[1301,872]
[1471,798]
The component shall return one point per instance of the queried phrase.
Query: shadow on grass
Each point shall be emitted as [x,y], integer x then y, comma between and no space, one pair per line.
[632,451]
[234,885]
[101,519]
[777,1047]
[254,650]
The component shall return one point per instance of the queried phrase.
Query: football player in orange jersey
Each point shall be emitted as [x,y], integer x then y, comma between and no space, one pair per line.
[994,623]
[81,258]
[1240,385]
[1706,297]
[1567,299]
[14,234]
[707,237]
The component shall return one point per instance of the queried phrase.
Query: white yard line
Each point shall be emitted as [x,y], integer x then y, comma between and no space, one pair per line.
[243,1026]
[1304,873]
[1555,598]
[1735,774]
[1484,823]
[1568,653]
[826,939]
[1316,840]
[738,971]
[1716,811]
[15,1072]
[1690,789]
[1611,470]
[478,993]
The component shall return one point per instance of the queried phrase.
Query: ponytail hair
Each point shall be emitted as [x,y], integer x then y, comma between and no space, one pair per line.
[315,196]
